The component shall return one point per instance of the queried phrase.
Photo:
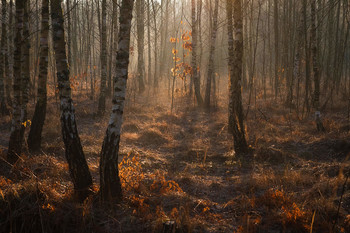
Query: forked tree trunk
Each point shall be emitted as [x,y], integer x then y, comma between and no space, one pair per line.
[78,167]
[102,98]
[140,8]
[210,75]
[316,100]
[235,47]
[195,76]
[3,47]
[34,137]
[110,186]
[15,143]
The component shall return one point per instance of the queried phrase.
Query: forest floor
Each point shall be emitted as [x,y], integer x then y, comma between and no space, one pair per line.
[181,166]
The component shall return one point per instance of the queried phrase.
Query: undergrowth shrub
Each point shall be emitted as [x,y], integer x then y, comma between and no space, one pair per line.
[146,192]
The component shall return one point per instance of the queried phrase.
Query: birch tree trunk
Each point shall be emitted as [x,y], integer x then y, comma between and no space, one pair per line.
[115,39]
[155,76]
[235,47]
[211,55]
[195,76]
[25,67]
[8,75]
[276,18]
[3,47]
[297,58]
[15,143]
[149,65]
[307,57]
[69,34]
[140,9]
[9,78]
[102,98]
[34,137]
[78,167]
[199,34]
[110,186]
[164,36]
[316,100]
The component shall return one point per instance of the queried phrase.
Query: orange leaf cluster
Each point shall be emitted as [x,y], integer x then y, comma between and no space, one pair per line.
[163,186]
[187,45]
[142,188]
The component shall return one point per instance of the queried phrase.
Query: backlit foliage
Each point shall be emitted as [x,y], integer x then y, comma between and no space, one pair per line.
[142,188]
[181,69]
[130,172]
[288,211]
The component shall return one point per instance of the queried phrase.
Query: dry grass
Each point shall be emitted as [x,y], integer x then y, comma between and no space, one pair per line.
[151,137]
[181,167]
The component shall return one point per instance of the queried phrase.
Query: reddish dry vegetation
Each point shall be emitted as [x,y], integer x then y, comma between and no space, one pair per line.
[181,167]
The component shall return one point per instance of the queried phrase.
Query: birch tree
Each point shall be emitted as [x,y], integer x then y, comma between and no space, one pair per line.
[235,50]
[103,56]
[16,139]
[9,58]
[34,137]
[140,9]
[20,86]
[149,65]
[25,66]
[214,28]
[3,47]
[78,167]
[276,26]
[316,100]
[110,186]
[69,33]
[297,58]
[155,75]
[195,76]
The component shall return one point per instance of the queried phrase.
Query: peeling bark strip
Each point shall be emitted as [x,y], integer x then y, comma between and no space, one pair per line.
[195,76]
[78,167]
[102,98]
[15,143]
[109,175]
[4,54]
[34,137]
[235,47]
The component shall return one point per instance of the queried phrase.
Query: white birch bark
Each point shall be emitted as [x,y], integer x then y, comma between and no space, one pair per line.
[110,186]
